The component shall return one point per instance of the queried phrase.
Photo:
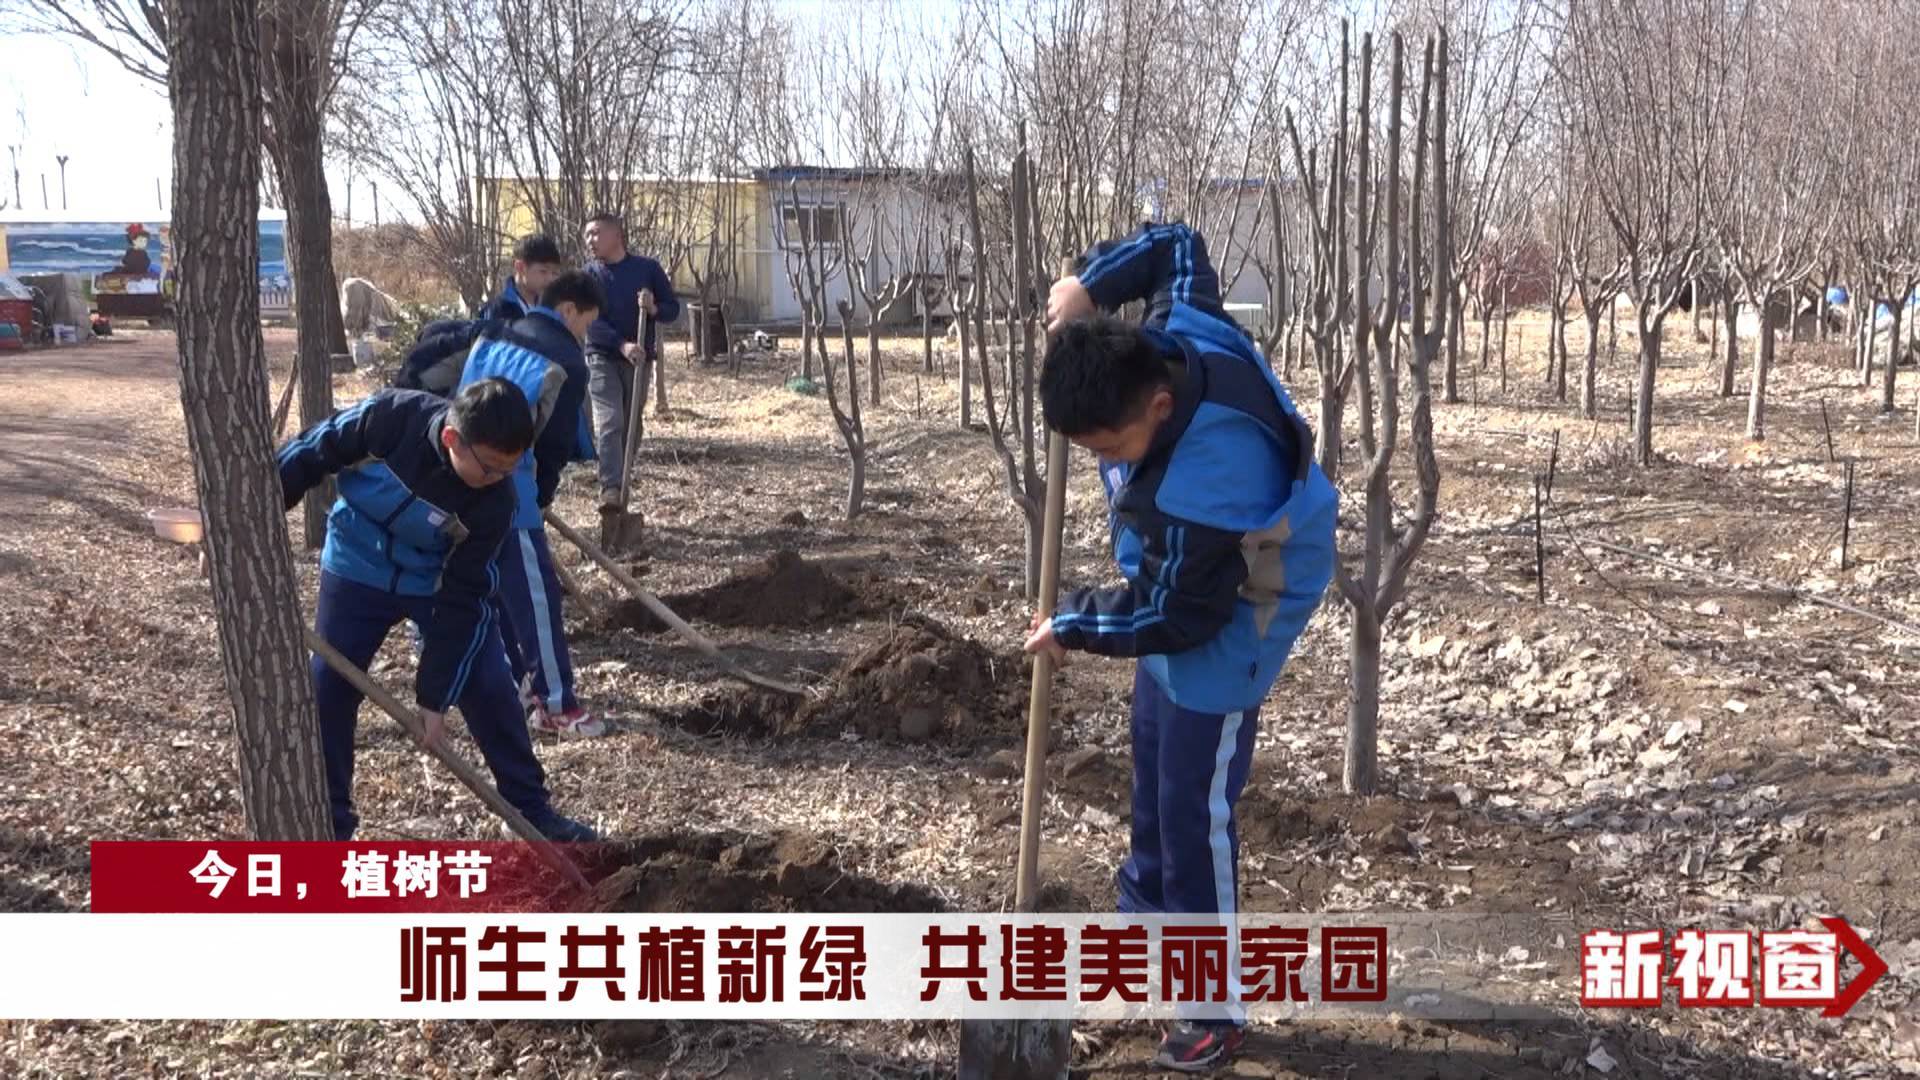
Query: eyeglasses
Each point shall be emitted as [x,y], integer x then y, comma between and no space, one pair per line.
[480,463]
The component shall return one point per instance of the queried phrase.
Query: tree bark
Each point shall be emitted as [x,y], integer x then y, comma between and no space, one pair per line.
[1559,345]
[294,74]
[1363,705]
[1762,364]
[1590,375]
[1643,393]
[962,318]
[214,88]
[1730,308]
[1450,390]
[1894,351]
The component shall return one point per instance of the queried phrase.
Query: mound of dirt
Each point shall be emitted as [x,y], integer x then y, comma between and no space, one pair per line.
[784,590]
[737,872]
[919,682]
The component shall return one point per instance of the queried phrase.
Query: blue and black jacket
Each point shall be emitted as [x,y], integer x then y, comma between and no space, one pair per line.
[620,285]
[1224,529]
[440,352]
[406,523]
[539,355]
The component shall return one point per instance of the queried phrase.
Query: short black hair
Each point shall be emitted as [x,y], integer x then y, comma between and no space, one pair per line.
[537,249]
[605,218]
[1099,374]
[493,413]
[576,287]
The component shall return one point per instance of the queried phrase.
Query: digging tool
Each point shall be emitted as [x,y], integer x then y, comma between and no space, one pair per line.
[665,614]
[1030,1049]
[546,849]
[571,586]
[620,527]
[283,410]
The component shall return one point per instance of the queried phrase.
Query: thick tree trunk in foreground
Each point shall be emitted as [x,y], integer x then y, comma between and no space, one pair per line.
[215,91]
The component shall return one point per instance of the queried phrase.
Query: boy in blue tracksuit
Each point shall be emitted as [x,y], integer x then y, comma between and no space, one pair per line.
[1223,527]
[412,537]
[540,354]
[616,356]
[435,361]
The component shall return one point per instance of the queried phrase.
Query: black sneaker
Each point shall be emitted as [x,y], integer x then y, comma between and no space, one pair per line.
[1193,1047]
[564,830]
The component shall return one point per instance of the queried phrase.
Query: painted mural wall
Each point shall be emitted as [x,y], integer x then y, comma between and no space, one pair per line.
[129,257]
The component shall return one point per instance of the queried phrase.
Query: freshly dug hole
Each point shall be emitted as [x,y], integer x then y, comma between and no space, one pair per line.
[919,682]
[724,872]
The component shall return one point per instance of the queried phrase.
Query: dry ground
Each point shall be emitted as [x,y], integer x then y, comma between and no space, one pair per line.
[1650,746]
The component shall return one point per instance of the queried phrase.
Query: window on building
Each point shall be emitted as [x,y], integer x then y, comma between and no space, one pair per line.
[817,224]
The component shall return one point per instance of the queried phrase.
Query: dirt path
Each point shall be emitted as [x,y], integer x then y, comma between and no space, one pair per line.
[1649,748]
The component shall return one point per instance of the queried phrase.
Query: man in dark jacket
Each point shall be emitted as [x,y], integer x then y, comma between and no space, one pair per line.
[540,354]
[1223,528]
[434,362]
[413,536]
[616,356]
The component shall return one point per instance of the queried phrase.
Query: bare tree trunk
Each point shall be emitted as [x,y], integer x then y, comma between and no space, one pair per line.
[1895,347]
[660,373]
[1486,341]
[926,335]
[1332,408]
[1863,348]
[1450,389]
[1863,344]
[873,357]
[1762,365]
[962,319]
[1730,307]
[293,74]
[1560,347]
[1590,373]
[1359,775]
[1504,321]
[1613,331]
[856,443]
[806,348]
[1643,393]
[214,88]
[1699,309]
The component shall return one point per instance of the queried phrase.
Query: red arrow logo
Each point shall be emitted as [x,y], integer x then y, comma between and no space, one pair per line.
[1871,966]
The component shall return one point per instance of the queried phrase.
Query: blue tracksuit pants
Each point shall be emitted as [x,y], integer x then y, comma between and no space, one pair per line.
[355,619]
[530,597]
[1188,771]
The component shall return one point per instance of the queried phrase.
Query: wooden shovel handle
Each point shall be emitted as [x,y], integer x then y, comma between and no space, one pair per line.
[635,404]
[1026,892]
[408,719]
[664,613]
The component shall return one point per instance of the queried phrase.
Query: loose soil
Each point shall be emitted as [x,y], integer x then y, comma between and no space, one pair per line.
[784,590]
[679,871]
[919,682]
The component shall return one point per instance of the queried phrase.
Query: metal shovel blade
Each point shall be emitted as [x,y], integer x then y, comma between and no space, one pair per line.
[1015,1049]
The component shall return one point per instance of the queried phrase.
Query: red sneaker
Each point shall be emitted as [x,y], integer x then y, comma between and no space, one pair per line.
[572,724]
[1194,1048]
